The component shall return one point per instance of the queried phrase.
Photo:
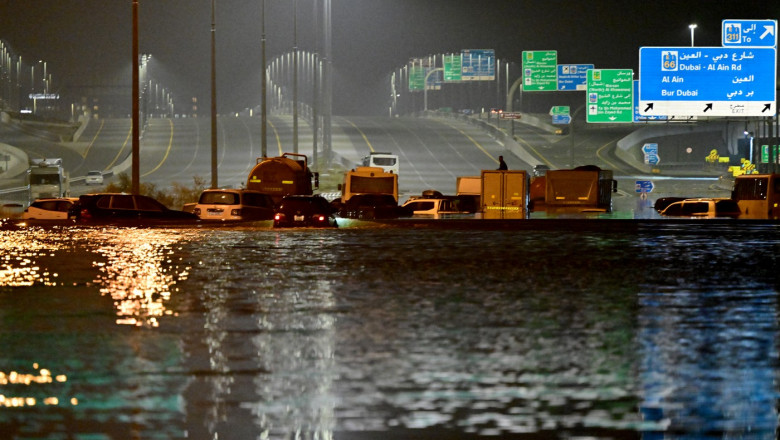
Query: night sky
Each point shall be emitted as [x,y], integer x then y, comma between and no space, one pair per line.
[86,41]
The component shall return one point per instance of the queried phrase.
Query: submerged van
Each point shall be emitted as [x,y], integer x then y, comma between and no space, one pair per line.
[386,161]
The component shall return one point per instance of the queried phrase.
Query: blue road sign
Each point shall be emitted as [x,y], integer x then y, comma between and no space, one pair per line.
[561,119]
[642,118]
[707,81]
[644,186]
[749,33]
[573,76]
[651,154]
[478,64]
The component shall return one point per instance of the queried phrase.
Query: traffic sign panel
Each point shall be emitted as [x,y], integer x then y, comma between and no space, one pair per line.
[561,119]
[749,33]
[573,76]
[707,81]
[610,95]
[478,64]
[560,110]
[452,67]
[644,186]
[540,73]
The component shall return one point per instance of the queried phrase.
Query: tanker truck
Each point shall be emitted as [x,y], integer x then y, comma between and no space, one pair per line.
[284,175]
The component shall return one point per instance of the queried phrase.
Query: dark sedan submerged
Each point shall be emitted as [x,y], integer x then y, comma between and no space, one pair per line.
[311,211]
[373,206]
[129,209]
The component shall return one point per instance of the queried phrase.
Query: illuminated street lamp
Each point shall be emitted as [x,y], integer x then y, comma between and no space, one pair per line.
[692,27]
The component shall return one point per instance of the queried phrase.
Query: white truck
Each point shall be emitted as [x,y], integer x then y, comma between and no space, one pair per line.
[46,178]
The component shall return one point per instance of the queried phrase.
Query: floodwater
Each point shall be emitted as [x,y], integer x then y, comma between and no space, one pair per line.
[654,330]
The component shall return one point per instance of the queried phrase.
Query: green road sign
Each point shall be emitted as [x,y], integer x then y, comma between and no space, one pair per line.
[452,67]
[610,95]
[559,110]
[416,78]
[540,71]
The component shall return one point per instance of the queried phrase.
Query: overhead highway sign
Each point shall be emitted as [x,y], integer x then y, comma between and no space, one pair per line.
[452,67]
[573,76]
[478,64]
[707,81]
[749,33]
[540,71]
[610,95]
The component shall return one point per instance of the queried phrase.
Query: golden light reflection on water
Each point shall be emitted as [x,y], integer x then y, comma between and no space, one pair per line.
[139,273]
[136,268]
[41,376]
[19,252]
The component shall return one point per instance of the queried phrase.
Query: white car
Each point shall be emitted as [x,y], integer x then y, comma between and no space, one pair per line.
[49,209]
[234,204]
[94,178]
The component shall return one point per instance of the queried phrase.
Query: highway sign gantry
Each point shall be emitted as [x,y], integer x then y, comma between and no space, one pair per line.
[707,81]
[610,95]
[540,71]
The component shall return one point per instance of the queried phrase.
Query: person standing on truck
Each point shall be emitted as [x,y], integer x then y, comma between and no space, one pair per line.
[502,164]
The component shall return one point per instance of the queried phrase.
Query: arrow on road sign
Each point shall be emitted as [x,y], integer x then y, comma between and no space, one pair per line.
[766,107]
[649,107]
[769,30]
[708,107]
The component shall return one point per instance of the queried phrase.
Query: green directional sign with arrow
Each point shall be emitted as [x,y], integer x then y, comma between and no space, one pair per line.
[610,95]
[540,71]
[452,67]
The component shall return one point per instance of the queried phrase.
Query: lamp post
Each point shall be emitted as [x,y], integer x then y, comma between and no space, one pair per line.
[692,27]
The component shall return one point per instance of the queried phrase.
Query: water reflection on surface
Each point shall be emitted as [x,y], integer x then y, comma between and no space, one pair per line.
[661,332]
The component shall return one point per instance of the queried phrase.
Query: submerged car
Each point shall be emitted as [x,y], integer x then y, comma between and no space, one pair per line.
[373,206]
[311,211]
[234,205]
[703,208]
[50,209]
[126,208]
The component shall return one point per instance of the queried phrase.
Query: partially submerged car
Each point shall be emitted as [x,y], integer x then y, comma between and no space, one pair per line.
[703,207]
[373,206]
[127,209]
[435,204]
[311,211]
[49,209]
[234,205]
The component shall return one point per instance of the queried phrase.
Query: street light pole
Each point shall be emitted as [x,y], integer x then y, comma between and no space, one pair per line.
[295,76]
[135,184]
[263,116]
[692,28]
[214,180]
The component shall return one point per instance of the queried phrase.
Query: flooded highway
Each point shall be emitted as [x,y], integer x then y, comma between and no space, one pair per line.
[565,329]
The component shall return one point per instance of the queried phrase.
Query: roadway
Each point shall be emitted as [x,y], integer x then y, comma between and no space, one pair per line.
[433,151]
